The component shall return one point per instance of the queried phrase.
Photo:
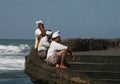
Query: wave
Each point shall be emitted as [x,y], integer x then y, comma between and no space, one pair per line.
[14,49]
[11,64]
[12,57]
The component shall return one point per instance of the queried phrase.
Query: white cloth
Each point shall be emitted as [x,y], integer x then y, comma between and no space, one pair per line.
[37,32]
[56,34]
[44,44]
[49,32]
[54,47]
[39,22]
[37,35]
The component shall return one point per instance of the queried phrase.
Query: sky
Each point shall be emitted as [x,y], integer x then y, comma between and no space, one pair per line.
[74,18]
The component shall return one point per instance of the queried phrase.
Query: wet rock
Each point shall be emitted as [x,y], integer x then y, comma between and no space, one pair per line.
[88,44]
[41,73]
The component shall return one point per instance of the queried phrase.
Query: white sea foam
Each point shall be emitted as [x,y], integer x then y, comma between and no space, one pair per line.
[11,64]
[12,57]
[13,49]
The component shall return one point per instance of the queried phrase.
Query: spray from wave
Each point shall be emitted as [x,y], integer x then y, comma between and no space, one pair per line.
[13,49]
[12,56]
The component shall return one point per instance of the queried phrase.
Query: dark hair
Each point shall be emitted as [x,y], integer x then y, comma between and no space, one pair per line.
[54,38]
[49,30]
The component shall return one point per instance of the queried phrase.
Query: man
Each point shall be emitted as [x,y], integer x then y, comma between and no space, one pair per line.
[44,44]
[39,32]
[57,52]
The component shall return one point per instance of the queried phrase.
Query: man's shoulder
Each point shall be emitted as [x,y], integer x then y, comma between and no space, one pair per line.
[54,43]
[37,32]
[37,29]
[44,38]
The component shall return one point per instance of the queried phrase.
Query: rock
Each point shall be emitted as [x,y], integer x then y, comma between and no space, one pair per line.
[41,73]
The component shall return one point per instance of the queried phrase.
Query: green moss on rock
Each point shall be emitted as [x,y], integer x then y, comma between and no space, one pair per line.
[78,44]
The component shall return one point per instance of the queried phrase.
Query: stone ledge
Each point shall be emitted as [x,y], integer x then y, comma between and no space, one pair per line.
[41,73]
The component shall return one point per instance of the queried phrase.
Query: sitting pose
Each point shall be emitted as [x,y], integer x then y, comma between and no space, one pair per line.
[57,52]
[44,45]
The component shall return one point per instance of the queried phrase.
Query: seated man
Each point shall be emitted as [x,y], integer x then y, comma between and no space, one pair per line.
[44,45]
[57,52]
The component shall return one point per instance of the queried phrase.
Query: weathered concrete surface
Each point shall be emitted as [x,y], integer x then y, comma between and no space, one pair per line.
[41,73]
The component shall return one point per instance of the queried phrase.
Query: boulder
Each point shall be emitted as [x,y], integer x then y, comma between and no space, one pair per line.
[41,73]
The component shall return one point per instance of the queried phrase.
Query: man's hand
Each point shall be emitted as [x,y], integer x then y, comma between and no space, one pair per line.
[72,57]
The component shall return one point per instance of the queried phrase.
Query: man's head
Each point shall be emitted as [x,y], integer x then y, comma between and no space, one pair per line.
[49,34]
[40,24]
[56,36]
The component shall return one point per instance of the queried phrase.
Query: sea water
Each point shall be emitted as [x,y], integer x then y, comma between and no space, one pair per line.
[12,59]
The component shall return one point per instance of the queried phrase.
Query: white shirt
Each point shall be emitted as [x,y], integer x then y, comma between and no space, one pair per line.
[37,32]
[54,47]
[44,44]
[37,35]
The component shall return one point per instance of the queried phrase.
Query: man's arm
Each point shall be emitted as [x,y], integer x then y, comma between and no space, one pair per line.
[71,54]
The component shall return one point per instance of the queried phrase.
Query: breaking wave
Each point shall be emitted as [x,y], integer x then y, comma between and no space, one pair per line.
[13,49]
[12,57]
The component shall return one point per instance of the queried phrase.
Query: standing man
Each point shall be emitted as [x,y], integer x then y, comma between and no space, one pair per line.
[57,52]
[44,44]
[39,33]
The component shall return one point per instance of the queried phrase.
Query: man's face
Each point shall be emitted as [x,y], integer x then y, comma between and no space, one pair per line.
[40,25]
[58,39]
[49,36]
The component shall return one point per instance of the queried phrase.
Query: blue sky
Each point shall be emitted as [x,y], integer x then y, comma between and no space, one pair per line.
[75,18]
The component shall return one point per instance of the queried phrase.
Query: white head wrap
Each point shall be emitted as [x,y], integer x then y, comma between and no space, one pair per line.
[39,22]
[56,34]
[49,32]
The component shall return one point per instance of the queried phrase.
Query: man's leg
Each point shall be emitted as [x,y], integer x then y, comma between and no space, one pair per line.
[62,55]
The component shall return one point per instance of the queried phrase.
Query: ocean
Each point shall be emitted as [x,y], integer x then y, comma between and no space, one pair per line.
[12,59]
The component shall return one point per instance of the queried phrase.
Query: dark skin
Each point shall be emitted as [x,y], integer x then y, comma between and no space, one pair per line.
[49,36]
[58,39]
[41,27]
[62,54]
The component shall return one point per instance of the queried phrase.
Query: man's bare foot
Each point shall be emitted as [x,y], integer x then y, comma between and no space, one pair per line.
[57,66]
[63,67]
